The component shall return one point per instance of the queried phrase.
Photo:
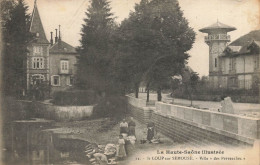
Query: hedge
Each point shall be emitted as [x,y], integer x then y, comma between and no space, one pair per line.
[77,97]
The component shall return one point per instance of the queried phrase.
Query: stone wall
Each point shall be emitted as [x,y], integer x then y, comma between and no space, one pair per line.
[65,113]
[139,109]
[224,123]
[52,112]
[142,114]
[181,131]
[192,123]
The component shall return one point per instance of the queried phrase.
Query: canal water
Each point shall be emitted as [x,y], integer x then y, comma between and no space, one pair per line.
[32,142]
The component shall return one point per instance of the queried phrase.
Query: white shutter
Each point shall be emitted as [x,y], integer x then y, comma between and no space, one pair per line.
[52,80]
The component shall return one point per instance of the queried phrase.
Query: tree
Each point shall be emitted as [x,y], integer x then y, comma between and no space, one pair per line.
[96,47]
[175,84]
[190,80]
[98,69]
[16,36]
[157,37]
[134,33]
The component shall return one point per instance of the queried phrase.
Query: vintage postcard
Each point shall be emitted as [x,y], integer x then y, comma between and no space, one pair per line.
[130,82]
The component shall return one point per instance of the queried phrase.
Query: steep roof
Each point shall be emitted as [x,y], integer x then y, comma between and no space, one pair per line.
[36,26]
[247,39]
[257,43]
[217,25]
[62,47]
[244,41]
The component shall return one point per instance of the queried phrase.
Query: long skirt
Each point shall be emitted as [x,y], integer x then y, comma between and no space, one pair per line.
[150,133]
[131,130]
[130,148]
[121,151]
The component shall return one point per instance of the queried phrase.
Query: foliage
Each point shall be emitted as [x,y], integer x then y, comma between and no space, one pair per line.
[15,36]
[76,98]
[190,80]
[113,107]
[156,37]
[98,67]
[205,93]
[96,48]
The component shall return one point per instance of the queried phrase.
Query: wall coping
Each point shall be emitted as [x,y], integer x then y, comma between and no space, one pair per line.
[202,126]
[135,97]
[219,113]
[225,121]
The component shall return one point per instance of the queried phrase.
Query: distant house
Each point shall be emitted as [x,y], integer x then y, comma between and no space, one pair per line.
[240,62]
[62,66]
[234,65]
[142,87]
[51,63]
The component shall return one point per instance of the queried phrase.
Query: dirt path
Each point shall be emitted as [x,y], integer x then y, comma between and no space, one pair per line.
[93,131]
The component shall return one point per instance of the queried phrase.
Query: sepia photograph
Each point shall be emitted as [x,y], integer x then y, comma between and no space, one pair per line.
[130,82]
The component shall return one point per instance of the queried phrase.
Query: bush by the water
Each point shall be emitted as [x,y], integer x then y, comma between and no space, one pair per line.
[78,97]
[113,107]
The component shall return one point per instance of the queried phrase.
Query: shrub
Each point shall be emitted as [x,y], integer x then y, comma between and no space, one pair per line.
[113,107]
[76,97]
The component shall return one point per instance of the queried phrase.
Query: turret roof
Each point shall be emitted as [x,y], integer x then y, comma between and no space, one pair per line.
[217,25]
[36,26]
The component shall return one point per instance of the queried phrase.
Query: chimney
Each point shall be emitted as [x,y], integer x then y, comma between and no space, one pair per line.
[56,37]
[59,34]
[51,39]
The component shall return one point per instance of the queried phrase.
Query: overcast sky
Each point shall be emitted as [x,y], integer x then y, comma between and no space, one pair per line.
[243,14]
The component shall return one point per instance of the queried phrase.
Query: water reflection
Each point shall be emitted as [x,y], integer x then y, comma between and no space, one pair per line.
[34,143]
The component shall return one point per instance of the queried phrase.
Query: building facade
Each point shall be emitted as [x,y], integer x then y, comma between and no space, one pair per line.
[50,64]
[63,63]
[234,65]
[38,69]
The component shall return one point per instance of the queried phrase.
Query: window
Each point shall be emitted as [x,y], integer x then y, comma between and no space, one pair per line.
[37,79]
[38,63]
[233,82]
[233,63]
[64,66]
[70,80]
[37,50]
[55,80]
[216,62]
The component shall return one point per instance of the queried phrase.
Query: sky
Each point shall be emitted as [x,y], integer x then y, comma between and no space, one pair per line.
[242,14]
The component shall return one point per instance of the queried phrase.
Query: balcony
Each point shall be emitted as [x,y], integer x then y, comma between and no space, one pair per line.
[66,72]
[217,37]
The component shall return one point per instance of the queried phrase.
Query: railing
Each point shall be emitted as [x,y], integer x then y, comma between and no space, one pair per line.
[217,37]
[69,71]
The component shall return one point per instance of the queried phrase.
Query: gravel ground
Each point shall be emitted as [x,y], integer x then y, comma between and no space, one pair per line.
[93,132]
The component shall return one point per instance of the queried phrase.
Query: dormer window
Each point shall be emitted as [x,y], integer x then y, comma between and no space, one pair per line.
[37,50]
[37,35]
